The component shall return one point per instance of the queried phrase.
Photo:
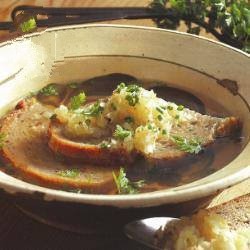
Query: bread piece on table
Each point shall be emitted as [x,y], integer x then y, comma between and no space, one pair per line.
[236,212]
[226,226]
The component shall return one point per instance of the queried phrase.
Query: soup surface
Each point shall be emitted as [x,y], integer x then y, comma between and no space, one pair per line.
[31,159]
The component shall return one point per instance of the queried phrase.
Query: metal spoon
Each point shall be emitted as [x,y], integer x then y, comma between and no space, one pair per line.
[144,231]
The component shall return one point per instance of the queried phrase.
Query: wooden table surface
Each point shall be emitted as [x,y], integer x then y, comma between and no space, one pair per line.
[17,230]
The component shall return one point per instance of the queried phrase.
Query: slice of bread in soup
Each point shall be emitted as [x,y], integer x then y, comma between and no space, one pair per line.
[89,150]
[26,149]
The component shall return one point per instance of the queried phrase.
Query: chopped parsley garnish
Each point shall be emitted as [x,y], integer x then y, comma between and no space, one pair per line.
[153,128]
[2,139]
[28,25]
[73,85]
[69,173]
[105,144]
[159,117]
[150,126]
[121,133]
[164,131]
[95,109]
[132,91]
[120,87]
[129,119]
[51,89]
[77,100]
[132,94]
[177,117]
[192,146]
[124,185]
[159,110]
[132,99]
[180,107]
[132,88]
[169,107]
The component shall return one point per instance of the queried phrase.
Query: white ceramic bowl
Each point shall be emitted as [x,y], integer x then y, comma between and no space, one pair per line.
[203,67]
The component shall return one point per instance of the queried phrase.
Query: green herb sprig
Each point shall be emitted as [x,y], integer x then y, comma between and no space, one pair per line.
[77,101]
[120,87]
[28,25]
[132,94]
[192,146]
[121,133]
[124,185]
[95,109]
[49,90]
[228,21]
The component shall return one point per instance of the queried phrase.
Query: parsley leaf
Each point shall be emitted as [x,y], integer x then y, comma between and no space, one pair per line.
[124,185]
[132,99]
[28,25]
[132,94]
[69,173]
[192,146]
[159,109]
[132,88]
[48,90]
[95,109]
[2,139]
[180,107]
[152,127]
[121,86]
[164,131]
[159,117]
[132,91]
[121,133]
[77,101]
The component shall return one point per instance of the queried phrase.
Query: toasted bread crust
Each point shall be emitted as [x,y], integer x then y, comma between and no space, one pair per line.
[236,212]
[88,153]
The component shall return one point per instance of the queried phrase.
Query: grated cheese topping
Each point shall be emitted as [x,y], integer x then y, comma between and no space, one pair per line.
[135,109]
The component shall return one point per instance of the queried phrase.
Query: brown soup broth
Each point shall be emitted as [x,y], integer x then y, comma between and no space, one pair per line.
[166,174]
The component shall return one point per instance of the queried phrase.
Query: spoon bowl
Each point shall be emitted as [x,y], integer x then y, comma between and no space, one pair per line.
[144,231]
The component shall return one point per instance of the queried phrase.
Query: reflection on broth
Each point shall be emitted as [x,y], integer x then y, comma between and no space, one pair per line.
[26,154]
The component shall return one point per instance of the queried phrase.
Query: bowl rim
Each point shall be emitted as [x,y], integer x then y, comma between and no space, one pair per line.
[140,27]
[165,196]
